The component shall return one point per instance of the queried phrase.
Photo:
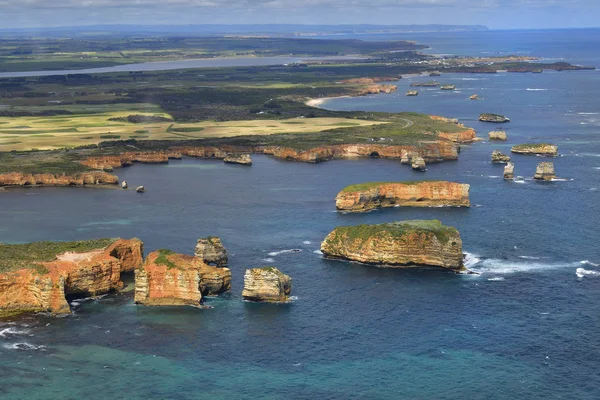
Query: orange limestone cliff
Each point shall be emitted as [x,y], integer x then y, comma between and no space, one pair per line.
[108,163]
[77,179]
[170,279]
[465,135]
[38,277]
[372,195]
[404,244]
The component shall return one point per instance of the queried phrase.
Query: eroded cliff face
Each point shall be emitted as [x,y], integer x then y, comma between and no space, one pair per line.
[369,196]
[397,245]
[130,252]
[108,163]
[44,286]
[171,279]
[434,151]
[466,135]
[78,179]
[266,284]
[211,251]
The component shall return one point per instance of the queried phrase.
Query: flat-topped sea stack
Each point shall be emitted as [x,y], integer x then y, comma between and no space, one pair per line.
[403,244]
[496,118]
[497,135]
[545,171]
[171,279]
[38,277]
[372,195]
[242,159]
[412,93]
[211,251]
[499,157]
[425,84]
[542,149]
[267,284]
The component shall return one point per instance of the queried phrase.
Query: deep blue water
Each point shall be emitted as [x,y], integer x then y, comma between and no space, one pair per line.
[526,328]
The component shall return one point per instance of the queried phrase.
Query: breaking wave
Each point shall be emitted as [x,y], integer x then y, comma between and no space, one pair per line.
[12,331]
[276,253]
[24,346]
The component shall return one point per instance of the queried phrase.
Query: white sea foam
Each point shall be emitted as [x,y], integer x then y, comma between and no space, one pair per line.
[23,346]
[318,252]
[496,278]
[504,267]
[537,90]
[493,176]
[7,332]
[581,272]
[307,242]
[560,180]
[529,257]
[519,180]
[276,253]
[588,262]
[588,113]
[269,260]
[470,260]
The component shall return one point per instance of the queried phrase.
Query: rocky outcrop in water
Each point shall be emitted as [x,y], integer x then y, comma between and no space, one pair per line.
[211,251]
[77,179]
[497,135]
[543,149]
[373,195]
[140,189]
[242,159]
[509,171]
[170,279]
[412,93]
[124,185]
[404,244]
[545,171]
[448,87]
[499,157]
[266,284]
[43,285]
[497,118]
[418,164]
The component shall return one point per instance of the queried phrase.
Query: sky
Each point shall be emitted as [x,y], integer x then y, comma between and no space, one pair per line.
[496,14]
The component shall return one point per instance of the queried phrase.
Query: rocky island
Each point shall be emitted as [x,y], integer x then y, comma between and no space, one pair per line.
[171,279]
[499,157]
[242,159]
[39,277]
[497,135]
[496,118]
[545,171]
[372,195]
[404,244]
[267,284]
[542,149]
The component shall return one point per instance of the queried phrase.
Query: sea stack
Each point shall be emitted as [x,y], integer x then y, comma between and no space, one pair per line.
[474,97]
[124,185]
[242,159]
[372,195]
[412,93]
[211,251]
[497,135]
[140,189]
[171,279]
[448,87]
[496,118]
[418,164]
[267,284]
[545,171]
[509,171]
[499,157]
[542,149]
[403,244]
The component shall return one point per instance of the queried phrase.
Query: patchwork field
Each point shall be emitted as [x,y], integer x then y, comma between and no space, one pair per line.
[43,132]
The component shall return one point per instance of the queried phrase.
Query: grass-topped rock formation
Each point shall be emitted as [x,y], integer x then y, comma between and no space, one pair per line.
[170,279]
[497,118]
[542,149]
[403,244]
[372,195]
[38,277]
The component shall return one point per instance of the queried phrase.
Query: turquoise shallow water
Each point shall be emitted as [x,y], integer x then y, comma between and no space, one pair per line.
[526,328]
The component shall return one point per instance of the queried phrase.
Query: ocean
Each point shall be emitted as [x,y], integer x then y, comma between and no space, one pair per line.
[526,327]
